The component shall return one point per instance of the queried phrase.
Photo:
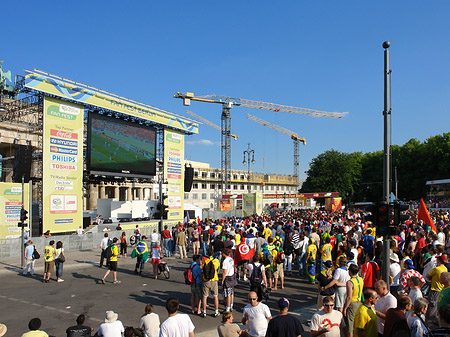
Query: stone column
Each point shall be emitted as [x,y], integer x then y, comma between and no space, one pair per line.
[116,192]
[101,191]
[129,194]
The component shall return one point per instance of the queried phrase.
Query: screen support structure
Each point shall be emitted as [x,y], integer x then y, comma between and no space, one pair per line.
[160,170]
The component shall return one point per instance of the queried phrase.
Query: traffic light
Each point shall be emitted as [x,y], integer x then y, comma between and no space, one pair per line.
[398,216]
[372,208]
[164,207]
[383,216]
[23,215]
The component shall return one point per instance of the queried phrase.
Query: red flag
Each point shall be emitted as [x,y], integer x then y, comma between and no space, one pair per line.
[242,253]
[425,216]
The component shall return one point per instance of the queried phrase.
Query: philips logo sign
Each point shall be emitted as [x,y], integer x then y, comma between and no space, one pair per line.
[64,159]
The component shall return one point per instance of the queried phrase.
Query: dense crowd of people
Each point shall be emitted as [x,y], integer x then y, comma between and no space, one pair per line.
[340,252]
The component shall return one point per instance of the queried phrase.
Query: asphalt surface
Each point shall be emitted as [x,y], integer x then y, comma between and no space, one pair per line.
[58,304]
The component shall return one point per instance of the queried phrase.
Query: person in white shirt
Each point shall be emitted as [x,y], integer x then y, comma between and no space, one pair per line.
[395,272]
[153,238]
[80,231]
[176,325]
[257,315]
[385,301]
[149,322]
[103,245]
[228,278]
[112,327]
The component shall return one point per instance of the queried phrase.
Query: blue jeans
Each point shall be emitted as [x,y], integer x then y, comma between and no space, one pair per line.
[59,268]
[205,247]
[302,264]
[166,245]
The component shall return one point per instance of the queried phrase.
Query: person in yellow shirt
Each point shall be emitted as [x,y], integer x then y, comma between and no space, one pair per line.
[311,253]
[112,262]
[49,258]
[267,232]
[326,252]
[365,317]
[354,296]
[210,280]
[436,286]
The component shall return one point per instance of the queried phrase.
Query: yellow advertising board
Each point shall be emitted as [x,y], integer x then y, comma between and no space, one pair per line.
[67,89]
[174,173]
[10,206]
[62,161]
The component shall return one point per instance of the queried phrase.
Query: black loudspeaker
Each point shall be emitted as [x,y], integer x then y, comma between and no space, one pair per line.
[22,162]
[188,177]
[86,222]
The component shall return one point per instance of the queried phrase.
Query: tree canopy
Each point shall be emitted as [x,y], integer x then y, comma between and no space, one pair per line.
[359,177]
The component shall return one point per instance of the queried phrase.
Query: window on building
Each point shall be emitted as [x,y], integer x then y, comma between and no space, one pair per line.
[211,196]
[194,196]
[282,188]
[242,177]
[203,186]
[203,196]
[220,175]
[235,187]
[242,187]
[212,186]
[195,173]
[212,174]
[235,176]
[267,188]
[195,185]
[186,195]
[204,174]
[272,188]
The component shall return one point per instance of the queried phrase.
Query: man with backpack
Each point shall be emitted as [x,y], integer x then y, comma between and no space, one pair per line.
[257,276]
[278,266]
[194,278]
[111,253]
[210,267]
[266,259]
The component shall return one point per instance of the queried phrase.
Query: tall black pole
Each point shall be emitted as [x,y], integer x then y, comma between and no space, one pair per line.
[387,158]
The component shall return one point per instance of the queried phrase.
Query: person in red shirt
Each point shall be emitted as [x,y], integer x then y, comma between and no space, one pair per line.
[370,271]
[167,237]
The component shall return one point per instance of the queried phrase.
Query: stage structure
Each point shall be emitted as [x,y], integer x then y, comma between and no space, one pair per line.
[87,135]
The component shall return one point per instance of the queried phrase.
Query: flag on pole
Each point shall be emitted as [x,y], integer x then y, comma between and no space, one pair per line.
[425,216]
[186,217]
[243,253]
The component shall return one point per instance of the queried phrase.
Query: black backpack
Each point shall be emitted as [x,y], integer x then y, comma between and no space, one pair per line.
[256,278]
[108,252]
[209,271]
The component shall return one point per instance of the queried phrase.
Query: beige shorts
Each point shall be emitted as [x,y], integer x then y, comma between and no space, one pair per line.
[196,244]
[279,272]
[49,267]
[210,287]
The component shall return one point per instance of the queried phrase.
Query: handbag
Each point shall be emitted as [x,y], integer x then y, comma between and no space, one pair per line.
[230,281]
[61,258]
[36,255]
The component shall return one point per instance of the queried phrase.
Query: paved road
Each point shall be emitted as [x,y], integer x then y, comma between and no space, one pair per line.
[58,304]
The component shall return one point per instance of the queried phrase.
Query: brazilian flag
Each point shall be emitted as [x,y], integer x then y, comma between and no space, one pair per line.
[140,250]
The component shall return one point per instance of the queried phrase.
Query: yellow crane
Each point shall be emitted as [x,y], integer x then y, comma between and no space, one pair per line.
[227,105]
[204,120]
[294,136]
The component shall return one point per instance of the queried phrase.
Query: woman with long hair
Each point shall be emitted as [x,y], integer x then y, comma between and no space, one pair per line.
[156,259]
[59,260]
[123,245]
[149,322]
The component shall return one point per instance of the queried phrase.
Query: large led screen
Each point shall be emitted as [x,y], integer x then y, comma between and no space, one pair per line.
[120,148]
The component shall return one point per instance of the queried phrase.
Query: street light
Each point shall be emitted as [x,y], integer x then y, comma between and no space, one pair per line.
[252,153]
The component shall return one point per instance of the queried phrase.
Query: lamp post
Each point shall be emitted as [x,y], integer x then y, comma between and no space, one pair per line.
[248,152]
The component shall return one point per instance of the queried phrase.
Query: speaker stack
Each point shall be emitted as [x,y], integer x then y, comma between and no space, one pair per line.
[22,162]
[188,178]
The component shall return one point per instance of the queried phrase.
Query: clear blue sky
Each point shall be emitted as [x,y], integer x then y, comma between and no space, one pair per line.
[324,55]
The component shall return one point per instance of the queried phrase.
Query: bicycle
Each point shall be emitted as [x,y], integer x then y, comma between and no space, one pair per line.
[164,269]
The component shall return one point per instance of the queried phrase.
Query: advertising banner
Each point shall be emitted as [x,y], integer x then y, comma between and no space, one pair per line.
[259,203]
[10,206]
[62,160]
[333,204]
[174,173]
[68,89]
[225,205]
[249,204]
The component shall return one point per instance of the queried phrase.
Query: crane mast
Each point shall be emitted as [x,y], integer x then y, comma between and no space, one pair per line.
[294,136]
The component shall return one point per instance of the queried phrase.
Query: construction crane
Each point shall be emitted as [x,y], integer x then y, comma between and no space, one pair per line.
[204,120]
[294,136]
[227,105]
